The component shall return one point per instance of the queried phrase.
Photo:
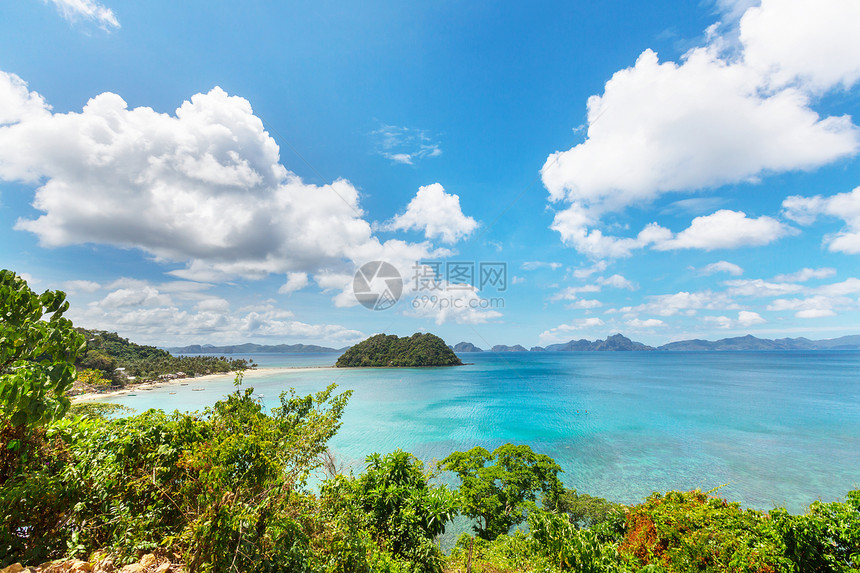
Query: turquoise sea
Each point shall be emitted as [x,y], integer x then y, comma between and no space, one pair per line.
[774,428]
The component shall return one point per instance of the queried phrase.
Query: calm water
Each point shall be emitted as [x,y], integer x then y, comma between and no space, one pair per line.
[777,428]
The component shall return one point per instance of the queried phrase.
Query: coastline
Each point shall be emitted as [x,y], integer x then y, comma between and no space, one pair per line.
[249,375]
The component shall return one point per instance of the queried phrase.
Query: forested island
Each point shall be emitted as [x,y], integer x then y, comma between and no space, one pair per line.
[389,350]
[111,360]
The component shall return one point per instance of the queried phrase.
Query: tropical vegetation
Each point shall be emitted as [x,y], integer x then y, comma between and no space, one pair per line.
[384,350]
[120,360]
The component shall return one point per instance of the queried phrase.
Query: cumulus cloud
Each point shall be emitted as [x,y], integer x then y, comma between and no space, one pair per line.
[806,274]
[572,292]
[81,286]
[687,303]
[811,307]
[87,10]
[726,230]
[295,281]
[745,318]
[814,43]
[585,272]
[749,318]
[584,304]
[204,187]
[760,288]
[534,265]
[647,323]
[845,206]
[436,213]
[716,117]
[455,303]
[153,315]
[562,332]
[722,267]
[616,281]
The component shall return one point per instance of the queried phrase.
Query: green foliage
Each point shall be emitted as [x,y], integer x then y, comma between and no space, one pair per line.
[38,348]
[221,488]
[92,378]
[569,548]
[101,410]
[693,532]
[384,350]
[402,508]
[107,351]
[826,538]
[585,511]
[499,495]
[97,360]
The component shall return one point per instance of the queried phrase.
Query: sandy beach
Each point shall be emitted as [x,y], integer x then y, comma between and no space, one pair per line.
[249,375]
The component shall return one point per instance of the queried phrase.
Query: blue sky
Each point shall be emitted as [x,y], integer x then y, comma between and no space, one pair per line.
[199,173]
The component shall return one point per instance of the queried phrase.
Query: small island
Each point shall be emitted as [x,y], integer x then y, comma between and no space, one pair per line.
[389,350]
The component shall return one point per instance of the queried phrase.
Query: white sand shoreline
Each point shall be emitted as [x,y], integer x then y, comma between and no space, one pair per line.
[249,375]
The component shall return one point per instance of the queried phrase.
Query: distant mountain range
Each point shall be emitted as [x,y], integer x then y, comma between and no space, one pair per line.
[249,348]
[614,343]
[750,342]
[619,342]
[505,348]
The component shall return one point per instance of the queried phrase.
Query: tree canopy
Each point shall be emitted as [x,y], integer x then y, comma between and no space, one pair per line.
[383,350]
[498,495]
[38,349]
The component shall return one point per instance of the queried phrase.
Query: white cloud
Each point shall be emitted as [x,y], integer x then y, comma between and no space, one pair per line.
[678,127]
[812,307]
[687,303]
[534,265]
[647,323]
[436,213]
[457,303]
[19,103]
[806,274]
[562,332]
[719,321]
[214,304]
[150,315]
[749,318]
[722,267]
[584,273]
[204,187]
[404,145]
[712,119]
[571,293]
[78,286]
[813,42]
[845,206]
[295,281]
[585,304]
[89,10]
[131,297]
[616,281]
[848,286]
[759,288]
[726,230]
[745,318]
[815,313]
